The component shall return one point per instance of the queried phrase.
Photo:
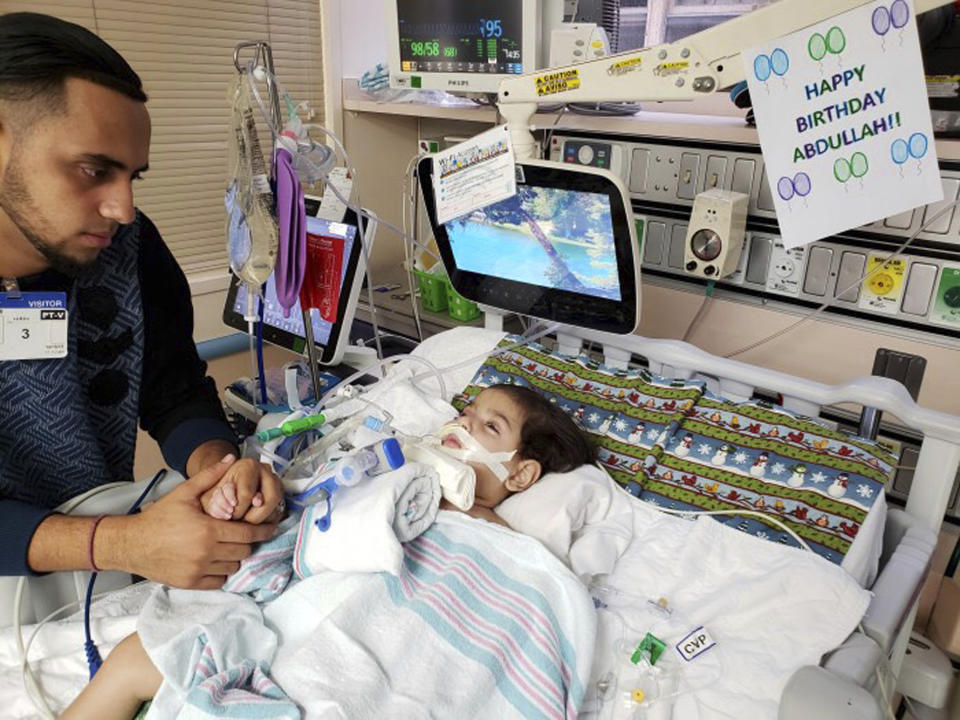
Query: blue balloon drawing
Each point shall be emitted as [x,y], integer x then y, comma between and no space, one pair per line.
[917,145]
[785,188]
[881,21]
[761,68]
[899,152]
[779,61]
[801,184]
[899,13]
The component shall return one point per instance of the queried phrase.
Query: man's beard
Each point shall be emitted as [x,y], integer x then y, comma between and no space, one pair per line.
[16,202]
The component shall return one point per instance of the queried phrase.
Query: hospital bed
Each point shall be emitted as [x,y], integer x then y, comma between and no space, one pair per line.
[846,681]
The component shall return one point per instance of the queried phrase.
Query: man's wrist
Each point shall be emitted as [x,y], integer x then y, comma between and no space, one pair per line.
[111,549]
[207,454]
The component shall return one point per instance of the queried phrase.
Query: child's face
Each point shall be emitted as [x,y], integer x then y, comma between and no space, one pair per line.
[493,420]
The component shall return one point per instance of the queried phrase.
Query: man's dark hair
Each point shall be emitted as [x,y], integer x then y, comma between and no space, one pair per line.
[38,52]
[549,435]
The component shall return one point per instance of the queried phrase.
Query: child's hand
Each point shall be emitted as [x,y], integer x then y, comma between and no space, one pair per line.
[222,502]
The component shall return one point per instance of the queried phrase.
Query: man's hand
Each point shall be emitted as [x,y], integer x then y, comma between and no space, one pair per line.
[174,542]
[250,489]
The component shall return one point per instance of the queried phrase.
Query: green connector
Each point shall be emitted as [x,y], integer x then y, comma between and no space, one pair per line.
[652,647]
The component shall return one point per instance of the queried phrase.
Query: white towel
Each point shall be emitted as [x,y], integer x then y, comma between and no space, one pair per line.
[192,636]
[368,523]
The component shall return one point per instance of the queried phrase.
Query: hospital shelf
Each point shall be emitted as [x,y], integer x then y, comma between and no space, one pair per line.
[712,118]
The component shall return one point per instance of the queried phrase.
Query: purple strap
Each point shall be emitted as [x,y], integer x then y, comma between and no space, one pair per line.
[292,232]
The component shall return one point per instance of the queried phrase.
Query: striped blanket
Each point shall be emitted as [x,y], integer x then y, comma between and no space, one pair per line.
[482,622]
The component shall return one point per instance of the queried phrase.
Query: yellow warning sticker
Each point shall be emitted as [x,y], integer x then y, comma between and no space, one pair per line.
[671,68]
[624,66]
[552,83]
[883,289]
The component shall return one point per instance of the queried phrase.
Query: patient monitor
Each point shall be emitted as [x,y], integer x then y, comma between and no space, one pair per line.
[562,249]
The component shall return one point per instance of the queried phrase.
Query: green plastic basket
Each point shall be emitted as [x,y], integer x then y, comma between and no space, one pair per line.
[433,290]
[458,307]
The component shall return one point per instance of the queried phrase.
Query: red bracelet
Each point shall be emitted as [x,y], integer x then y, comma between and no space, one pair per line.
[93,532]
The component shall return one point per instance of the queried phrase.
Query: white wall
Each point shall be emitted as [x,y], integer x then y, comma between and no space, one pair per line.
[363,35]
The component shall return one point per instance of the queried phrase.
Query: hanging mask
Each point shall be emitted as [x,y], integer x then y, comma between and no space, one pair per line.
[471,450]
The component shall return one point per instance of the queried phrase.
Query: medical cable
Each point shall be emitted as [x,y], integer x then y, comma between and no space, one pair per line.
[261,371]
[527,339]
[26,673]
[373,367]
[410,193]
[90,649]
[762,516]
[364,227]
[701,311]
[352,170]
[936,216]
[89,646]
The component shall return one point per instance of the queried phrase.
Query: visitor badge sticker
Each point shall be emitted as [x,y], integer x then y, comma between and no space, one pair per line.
[844,121]
[474,174]
[33,325]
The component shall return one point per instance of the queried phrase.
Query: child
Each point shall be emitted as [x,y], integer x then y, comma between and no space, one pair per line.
[502,418]
[511,417]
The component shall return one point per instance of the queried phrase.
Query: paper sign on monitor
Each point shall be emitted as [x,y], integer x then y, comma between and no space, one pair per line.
[474,174]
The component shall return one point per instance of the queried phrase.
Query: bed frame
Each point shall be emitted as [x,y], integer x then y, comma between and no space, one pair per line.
[846,685]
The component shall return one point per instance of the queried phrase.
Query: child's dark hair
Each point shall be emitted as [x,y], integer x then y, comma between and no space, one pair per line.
[549,435]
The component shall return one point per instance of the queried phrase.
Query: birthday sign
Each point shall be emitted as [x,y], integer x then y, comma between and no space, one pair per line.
[844,122]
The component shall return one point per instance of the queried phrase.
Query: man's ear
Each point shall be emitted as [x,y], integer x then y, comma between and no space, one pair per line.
[524,475]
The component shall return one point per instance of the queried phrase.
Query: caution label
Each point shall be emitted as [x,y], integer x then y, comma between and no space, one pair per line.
[672,68]
[552,83]
[624,66]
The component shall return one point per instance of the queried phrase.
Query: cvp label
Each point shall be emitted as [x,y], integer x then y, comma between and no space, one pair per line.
[33,325]
[694,644]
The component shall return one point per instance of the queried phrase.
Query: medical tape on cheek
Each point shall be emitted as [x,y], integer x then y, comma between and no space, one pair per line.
[472,451]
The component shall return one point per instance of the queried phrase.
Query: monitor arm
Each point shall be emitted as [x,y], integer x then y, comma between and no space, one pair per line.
[706,62]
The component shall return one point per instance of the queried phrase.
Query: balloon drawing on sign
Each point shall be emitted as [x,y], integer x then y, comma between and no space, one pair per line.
[817,48]
[899,153]
[841,170]
[917,146]
[780,63]
[785,188]
[802,185]
[859,166]
[762,69]
[899,16]
[880,20]
[836,42]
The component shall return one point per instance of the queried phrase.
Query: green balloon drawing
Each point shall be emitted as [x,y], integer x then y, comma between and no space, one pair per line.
[836,40]
[817,46]
[841,170]
[859,165]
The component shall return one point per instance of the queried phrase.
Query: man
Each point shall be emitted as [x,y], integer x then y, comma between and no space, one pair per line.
[74,136]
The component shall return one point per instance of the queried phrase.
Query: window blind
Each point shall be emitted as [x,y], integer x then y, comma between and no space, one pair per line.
[183,52]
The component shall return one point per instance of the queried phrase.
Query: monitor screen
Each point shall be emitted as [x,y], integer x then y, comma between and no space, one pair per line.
[484,36]
[562,249]
[334,286]
[551,237]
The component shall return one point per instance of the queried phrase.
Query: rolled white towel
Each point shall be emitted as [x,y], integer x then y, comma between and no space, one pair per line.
[368,523]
